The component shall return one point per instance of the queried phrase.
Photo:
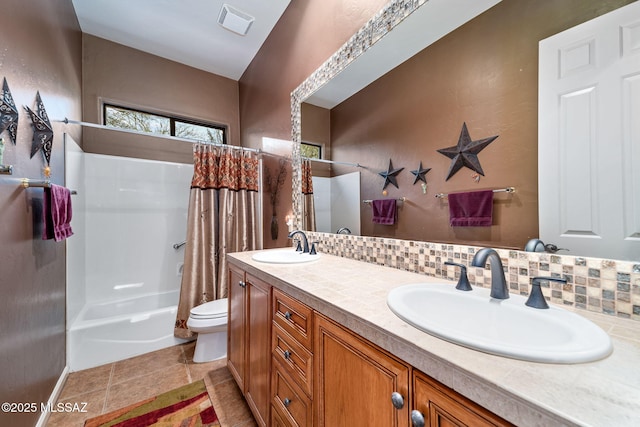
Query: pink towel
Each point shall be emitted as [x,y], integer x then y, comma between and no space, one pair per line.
[473,209]
[57,213]
[384,211]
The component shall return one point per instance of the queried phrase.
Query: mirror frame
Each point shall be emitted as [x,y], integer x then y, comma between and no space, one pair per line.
[373,31]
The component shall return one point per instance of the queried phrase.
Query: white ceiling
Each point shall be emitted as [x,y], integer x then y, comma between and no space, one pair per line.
[184,31]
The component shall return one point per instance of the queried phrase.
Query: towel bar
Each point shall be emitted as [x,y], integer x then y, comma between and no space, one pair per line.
[499,190]
[27,183]
[401,199]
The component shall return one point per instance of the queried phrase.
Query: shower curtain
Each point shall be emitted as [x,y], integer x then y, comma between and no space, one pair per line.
[222,218]
[308,208]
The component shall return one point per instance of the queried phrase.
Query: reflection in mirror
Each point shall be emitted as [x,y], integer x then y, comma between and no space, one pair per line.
[337,201]
[485,74]
[308,198]
[335,196]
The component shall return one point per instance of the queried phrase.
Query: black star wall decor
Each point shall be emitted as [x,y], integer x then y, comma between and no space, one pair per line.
[8,113]
[42,130]
[390,175]
[466,152]
[420,174]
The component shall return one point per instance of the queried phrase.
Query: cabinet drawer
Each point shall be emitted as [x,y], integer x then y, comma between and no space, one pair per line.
[288,399]
[278,420]
[294,317]
[294,358]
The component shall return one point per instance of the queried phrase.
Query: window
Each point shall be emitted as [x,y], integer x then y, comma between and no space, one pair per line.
[312,151]
[141,121]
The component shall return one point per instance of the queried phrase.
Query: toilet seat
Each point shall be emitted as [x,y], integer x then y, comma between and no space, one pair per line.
[209,321]
[210,310]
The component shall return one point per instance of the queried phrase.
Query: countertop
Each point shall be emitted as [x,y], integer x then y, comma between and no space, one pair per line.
[354,293]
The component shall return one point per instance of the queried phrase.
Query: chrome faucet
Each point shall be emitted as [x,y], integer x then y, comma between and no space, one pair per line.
[534,245]
[305,242]
[499,289]
[537,245]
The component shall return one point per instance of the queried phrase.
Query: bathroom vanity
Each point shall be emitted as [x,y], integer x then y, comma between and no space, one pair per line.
[315,344]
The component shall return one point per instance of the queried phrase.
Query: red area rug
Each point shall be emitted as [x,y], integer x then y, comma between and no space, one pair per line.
[189,405]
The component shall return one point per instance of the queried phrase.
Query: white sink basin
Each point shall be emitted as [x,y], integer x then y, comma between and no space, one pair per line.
[503,327]
[283,256]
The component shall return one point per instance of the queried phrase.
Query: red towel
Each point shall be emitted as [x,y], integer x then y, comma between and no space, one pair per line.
[473,209]
[384,211]
[57,213]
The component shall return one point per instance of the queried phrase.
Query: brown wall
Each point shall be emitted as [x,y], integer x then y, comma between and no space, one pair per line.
[129,77]
[40,50]
[316,129]
[307,34]
[484,74]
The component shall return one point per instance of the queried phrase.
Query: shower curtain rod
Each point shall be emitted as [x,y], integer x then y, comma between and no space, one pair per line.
[173,138]
[357,165]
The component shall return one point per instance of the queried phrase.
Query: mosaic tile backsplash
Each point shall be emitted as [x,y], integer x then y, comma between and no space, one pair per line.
[600,285]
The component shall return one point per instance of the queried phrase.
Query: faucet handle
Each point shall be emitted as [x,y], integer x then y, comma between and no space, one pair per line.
[312,251]
[298,245]
[463,281]
[536,299]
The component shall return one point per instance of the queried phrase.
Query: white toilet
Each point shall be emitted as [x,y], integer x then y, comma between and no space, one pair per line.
[209,320]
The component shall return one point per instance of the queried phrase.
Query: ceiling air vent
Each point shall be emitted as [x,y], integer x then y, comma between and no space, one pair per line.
[234,20]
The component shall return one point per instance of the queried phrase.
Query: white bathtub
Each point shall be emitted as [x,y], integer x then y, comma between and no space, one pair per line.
[115,330]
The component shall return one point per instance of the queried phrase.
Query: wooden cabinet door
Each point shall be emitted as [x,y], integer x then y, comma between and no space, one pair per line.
[443,407]
[249,340]
[258,348]
[236,325]
[355,380]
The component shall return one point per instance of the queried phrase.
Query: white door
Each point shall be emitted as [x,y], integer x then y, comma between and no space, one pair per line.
[346,202]
[589,137]
[337,203]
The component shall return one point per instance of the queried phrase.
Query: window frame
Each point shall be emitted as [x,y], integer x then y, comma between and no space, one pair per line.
[172,121]
[319,146]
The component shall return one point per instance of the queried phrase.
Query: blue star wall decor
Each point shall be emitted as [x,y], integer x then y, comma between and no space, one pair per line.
[465,153]
[42,130]
[420,174]
[8,113]
[390,175]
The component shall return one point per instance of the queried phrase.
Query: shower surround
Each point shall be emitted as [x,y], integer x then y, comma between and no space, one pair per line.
[123,274]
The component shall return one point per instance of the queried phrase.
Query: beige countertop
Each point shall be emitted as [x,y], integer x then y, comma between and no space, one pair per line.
[354,293]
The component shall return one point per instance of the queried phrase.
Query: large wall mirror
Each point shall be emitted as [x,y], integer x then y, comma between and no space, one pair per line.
[406,84]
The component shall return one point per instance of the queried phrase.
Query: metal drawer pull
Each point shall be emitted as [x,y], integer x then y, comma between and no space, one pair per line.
[417,418]
[287,315]
[397,400]
[286,402]
[287,355]
[242,284]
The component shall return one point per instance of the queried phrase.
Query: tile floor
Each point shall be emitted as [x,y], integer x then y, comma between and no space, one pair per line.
[109,387]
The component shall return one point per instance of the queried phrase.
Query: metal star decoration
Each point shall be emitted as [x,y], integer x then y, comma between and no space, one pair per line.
[466,153]
[8,113]
[390,175]
[420,174]
[42,130]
